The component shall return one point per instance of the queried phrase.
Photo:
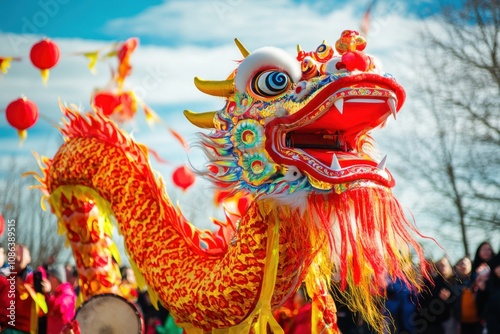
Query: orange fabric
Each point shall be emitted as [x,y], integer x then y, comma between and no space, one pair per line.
[468,307]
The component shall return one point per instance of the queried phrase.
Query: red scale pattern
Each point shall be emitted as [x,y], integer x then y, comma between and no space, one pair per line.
[209,290]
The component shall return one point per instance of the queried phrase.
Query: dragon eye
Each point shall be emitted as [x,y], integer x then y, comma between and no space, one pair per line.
[270,83]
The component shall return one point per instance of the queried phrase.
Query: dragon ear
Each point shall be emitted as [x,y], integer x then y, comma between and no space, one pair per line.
[243,50]
[222,88]
[204,120]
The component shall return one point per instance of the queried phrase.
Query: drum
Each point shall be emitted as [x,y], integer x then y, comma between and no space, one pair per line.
[109,314]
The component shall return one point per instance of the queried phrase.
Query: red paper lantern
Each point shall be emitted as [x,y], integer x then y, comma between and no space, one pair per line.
[183,177]
[22,114]
[106,102]
[120,107]
[44,55]
[2,225]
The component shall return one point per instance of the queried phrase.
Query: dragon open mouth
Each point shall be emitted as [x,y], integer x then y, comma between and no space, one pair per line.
[324,138]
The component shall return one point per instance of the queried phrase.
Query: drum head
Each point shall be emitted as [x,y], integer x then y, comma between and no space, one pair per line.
[109,314]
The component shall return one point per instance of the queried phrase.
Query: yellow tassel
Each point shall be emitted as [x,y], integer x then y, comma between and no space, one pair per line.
[22,134]
[45,76]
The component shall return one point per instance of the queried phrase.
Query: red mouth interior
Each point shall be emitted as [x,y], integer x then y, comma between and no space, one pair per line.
[336,133]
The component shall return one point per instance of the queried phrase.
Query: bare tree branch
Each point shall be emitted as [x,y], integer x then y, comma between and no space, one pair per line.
[35,228]
[455,138]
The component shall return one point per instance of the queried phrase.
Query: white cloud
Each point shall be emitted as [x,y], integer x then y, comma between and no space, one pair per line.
[280,23]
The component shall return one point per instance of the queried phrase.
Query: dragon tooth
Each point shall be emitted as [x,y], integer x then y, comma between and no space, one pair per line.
[335,163]
[392,105]
[340,105]
[381,164]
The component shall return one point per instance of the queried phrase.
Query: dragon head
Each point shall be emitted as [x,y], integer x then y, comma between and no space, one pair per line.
[299,123]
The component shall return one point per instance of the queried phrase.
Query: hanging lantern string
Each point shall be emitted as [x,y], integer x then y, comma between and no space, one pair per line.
[98,55]
[48,120]
[93,57]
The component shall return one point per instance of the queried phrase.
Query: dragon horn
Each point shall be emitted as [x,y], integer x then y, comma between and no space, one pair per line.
[243,50]
[223,88]
[204,120]
[298,48]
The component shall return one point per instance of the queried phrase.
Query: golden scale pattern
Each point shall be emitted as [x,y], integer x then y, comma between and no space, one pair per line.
[226,286]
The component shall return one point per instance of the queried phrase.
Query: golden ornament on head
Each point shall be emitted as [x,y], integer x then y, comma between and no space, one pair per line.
[220,88]
[204,120]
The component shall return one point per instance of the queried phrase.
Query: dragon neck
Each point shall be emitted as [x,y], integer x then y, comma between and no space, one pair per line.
[110,168]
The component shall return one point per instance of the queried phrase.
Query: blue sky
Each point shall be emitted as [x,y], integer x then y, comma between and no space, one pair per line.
[94,19]
[178,41]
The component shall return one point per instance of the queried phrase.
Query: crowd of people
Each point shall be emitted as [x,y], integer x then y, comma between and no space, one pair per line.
[43,300]
[459,299]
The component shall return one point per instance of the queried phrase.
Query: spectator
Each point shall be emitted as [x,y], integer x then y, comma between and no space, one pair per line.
[128,285]
[72,278]
[302,321]
[484,254]
[42,320]
[284,314]
[465,310]
[400,305]
[61,299]
[463,269]
[488,295]
[4,302]
[436,302]
[4,266]
[152,317]
[27,309]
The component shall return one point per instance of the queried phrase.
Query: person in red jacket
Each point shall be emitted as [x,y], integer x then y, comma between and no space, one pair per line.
[61,299]
[5,302]
[302,321]
[26,309]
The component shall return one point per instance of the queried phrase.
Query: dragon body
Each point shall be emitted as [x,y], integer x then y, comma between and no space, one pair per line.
[294,133]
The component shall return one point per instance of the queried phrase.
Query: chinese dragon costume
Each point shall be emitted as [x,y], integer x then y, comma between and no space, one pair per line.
[293,133]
